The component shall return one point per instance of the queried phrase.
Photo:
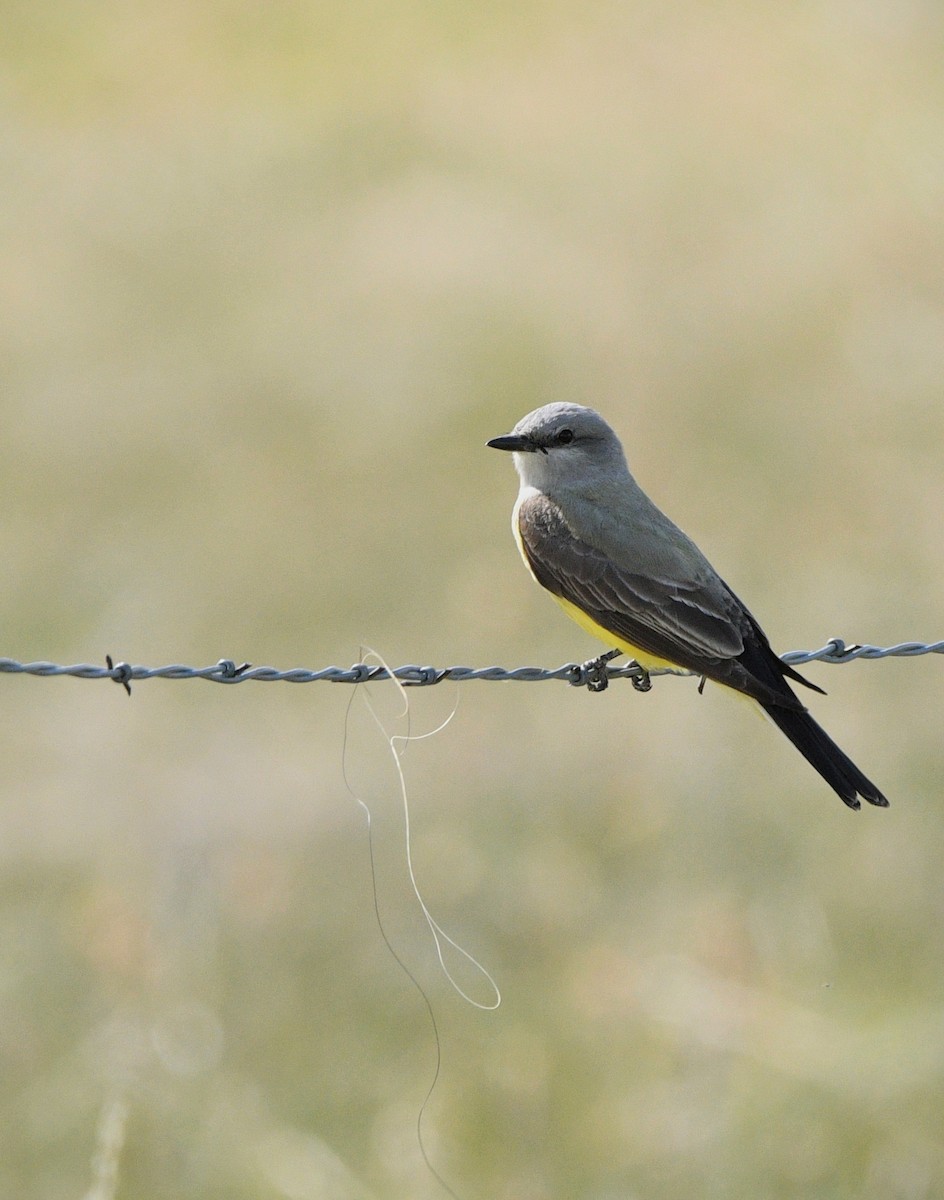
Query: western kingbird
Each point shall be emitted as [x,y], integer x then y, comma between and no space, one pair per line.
[623,571]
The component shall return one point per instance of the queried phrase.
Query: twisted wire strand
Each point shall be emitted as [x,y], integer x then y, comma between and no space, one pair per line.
[835,651]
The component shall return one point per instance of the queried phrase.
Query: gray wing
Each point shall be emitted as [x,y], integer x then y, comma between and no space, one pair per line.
[697,623]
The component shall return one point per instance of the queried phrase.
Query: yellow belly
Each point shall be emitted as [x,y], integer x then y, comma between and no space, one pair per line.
[643,657]
[646,660]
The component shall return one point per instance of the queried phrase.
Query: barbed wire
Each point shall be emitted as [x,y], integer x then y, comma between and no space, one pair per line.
[226,670]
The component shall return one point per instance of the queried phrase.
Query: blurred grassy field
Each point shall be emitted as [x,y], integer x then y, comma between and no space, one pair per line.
[272,276]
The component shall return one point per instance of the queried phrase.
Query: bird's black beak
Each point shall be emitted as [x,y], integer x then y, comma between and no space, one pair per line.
[513,441]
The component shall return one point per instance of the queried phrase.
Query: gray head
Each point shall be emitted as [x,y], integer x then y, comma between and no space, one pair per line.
[564,445]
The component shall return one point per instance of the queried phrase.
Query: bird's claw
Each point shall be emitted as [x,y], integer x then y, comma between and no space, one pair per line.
[593,673]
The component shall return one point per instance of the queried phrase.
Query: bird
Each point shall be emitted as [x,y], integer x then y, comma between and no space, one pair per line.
[626,573]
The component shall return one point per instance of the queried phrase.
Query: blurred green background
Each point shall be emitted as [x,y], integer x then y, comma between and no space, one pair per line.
[272,275]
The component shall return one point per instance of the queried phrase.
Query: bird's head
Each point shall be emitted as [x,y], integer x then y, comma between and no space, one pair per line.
[563,444]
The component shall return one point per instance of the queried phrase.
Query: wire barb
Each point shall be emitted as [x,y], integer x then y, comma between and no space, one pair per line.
[226,671]
[121,672]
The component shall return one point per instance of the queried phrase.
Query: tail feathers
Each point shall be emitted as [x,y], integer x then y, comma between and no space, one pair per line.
[786,669]
[816,746]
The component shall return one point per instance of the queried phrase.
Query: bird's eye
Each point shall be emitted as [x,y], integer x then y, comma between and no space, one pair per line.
[565,437]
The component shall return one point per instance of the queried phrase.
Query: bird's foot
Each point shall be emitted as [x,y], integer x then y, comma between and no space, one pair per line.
[593,672]
[640,677]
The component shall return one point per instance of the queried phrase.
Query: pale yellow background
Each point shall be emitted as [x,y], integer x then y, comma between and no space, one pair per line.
[272,274]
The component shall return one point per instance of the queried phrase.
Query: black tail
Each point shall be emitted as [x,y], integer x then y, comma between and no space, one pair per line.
[816,746]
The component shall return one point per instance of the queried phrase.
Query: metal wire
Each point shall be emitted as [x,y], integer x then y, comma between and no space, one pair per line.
[226,671]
